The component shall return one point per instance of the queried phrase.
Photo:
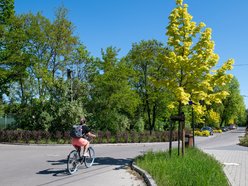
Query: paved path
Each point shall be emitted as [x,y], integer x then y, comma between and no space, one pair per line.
[224,147]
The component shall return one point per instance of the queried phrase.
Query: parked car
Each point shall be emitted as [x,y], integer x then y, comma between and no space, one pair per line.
[232,127]
[211,131]
[224,129]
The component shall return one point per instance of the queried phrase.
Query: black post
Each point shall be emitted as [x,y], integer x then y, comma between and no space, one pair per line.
[193,126]
[170,144]
[180,118]
[179,137]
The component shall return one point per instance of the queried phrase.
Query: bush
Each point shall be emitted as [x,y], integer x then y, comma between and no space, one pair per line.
[202,133]
[244,140]
[218,131]
[27,136]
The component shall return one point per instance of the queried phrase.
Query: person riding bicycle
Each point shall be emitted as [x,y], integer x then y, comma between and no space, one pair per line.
[83,142]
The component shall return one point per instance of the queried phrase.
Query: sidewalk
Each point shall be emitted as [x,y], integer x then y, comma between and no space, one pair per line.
[233,157]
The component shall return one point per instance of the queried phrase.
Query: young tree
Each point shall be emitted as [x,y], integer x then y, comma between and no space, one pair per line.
[189,65]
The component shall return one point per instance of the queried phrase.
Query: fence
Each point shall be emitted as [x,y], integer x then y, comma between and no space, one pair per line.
[5,121]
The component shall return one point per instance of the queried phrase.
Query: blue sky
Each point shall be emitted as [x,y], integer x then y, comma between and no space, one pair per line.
[120,23]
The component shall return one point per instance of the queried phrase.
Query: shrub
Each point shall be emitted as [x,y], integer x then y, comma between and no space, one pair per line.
[198,133]
[244,140]
[205,133]
[108,136]
[27,136]
[99,136]
[36,136]
[218,131]
[202,133]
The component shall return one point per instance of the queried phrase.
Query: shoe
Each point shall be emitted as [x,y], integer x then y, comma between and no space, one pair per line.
[86,154]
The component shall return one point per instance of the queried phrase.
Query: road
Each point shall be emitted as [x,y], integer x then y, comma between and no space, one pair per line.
[28,165]
[45,165]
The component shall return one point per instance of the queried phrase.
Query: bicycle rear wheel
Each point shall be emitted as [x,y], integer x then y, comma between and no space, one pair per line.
[73,162]
[89,160]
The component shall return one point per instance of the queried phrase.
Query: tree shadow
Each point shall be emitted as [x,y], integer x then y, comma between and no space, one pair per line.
[107,161]
[54,172]
[112,161]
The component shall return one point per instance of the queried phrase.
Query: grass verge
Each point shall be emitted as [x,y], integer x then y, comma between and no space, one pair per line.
[195,168]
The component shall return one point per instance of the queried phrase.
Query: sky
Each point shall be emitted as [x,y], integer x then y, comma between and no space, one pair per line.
[120,23]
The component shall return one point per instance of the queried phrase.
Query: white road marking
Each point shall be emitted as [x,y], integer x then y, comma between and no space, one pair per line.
[225,163]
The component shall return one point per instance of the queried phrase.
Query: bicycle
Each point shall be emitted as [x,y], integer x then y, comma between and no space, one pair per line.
[75,159]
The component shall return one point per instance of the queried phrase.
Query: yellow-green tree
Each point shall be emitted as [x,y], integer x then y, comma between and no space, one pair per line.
[189,67]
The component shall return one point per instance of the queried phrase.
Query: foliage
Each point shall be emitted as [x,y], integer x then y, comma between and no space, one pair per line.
[196,168]
[6,10]
[113,101]
[244,140]
[202,133]
[232,111]
[46,137]
[189,64]
[67,114]
[144,61]
[217,131]
[49,79]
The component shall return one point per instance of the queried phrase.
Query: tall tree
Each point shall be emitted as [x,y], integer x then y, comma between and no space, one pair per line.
[113,101]
[6,10]
[144,59]
[189,65]
[6,15]
[232,111]
[62,42]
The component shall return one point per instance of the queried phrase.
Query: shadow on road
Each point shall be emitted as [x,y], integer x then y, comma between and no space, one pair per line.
[112,161]
[107,161]
[54,172]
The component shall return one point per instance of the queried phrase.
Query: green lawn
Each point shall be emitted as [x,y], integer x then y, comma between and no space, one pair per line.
[195,168]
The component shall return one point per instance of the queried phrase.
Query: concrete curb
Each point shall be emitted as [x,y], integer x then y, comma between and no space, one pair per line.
[146,176]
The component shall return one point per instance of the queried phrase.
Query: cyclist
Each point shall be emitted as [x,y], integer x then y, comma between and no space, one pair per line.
[83,142]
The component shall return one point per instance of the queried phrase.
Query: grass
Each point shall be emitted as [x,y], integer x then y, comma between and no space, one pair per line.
[195,168]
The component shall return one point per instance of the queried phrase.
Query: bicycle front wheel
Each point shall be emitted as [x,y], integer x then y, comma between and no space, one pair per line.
[73,162]
[89,160]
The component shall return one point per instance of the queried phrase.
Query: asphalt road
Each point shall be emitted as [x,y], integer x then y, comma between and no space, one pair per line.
[45,165]
[28,165]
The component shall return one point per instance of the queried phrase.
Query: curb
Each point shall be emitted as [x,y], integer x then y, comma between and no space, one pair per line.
[146,176]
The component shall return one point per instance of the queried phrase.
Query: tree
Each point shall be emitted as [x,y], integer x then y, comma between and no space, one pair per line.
[6,10]
[232,111]
[144,60]
[189,66]
[62,42]
[113,102]
[13,56]
[6,15]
